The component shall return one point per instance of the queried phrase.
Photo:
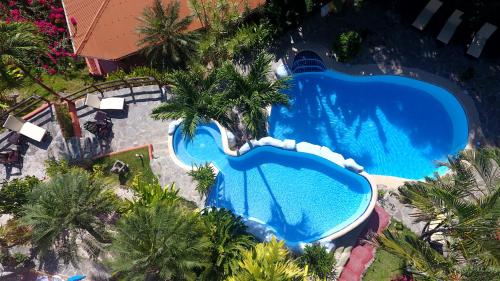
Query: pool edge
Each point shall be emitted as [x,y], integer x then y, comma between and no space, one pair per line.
[325,238]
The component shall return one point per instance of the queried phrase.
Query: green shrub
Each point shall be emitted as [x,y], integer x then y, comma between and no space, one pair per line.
[320,262]
[54,167]
[64,120]
[21,258]
[14,194]
[204,175]
[249,40]
[347,45]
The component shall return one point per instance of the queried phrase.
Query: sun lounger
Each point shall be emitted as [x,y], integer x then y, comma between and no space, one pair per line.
[425,16]
[94,101]
[25,128]
[451,25]
[480,38]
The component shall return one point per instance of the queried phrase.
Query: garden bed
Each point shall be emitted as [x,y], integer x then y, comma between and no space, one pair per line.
[135,164]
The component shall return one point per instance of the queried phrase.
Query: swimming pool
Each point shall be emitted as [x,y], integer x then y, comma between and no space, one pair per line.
[300,197]
[391,125]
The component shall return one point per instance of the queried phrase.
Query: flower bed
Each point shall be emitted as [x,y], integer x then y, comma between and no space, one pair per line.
[48,16]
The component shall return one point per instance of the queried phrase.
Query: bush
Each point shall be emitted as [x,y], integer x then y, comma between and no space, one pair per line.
[347,45]
[320,262]
[54,167]
[204,175]
[14,194]
[20,258]
[64,120]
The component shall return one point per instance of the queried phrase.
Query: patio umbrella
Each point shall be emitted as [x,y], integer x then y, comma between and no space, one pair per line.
[76,278]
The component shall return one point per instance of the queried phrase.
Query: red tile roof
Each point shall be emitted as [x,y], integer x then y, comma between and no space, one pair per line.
[107,29]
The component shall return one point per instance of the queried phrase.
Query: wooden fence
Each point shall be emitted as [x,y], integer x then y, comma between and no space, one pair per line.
[112,85]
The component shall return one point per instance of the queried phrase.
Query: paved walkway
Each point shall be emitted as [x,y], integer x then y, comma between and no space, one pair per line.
[362,254]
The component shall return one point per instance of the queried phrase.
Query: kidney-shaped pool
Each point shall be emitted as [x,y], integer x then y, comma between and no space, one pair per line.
[389,124]
[300,197]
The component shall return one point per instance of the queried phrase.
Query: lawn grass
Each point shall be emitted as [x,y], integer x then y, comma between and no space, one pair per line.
[63,83]
[387,265]
[134,163]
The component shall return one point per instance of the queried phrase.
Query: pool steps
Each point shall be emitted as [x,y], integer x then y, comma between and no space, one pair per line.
[259,228]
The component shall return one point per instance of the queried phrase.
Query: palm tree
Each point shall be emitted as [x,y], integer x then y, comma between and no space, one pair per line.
[422,261]
[21,45]
[159,242]
[65,213]
[165,37]
[194,99]
[229,240]
[268,261]
[461,206]
[252,93]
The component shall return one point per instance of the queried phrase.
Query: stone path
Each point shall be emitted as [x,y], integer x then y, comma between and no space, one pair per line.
[362,254]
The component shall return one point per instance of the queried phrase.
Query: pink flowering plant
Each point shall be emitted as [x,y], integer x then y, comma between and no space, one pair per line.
[48,16]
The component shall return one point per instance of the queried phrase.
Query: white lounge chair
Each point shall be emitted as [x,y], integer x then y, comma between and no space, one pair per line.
[25,128]
[451,25]
[480,38]
[425,16]
[94,101]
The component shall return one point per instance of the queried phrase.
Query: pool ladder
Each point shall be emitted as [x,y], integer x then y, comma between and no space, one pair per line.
[301,65]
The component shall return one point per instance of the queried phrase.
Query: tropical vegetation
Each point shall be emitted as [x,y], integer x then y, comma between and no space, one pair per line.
[15,194]
[204,175]
[65,214]
[228,241]
[166,38]
[319,260]
[347,45]
[159,242]
[268,261]
[460,212]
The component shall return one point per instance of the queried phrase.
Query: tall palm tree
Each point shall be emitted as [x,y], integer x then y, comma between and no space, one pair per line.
[165,37]
[229,240]
[159,242]
[252,93]
[268,261]
[461,206]
[21,45]
[65,213]
[195,99]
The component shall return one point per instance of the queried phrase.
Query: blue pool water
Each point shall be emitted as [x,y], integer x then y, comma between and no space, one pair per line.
[391,125]
[302,197]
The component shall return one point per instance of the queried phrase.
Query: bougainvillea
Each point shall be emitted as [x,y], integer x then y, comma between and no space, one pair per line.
[48,16]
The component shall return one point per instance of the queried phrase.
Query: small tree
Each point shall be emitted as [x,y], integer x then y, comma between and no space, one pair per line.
[319,261]
[347,45]
[14,195]
[204,175]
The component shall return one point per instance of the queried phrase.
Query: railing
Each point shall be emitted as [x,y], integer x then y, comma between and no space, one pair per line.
[21,108]
[113,85]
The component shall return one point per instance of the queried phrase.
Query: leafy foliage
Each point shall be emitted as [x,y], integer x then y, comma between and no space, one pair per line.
[66,211]
[462,207]
[140,71]
[64,120]
[165,37]
[204,175]
[151,192]
[54,167]
[251,94]
[195,99]
[15,193]
[229,240]
[159,242]
[268,261]
[319,261]
[347,45]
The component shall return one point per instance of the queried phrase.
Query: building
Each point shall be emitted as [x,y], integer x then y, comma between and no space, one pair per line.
[104,32]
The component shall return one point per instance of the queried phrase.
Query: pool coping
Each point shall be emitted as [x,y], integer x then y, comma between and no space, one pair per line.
[297,246]
[474,130]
